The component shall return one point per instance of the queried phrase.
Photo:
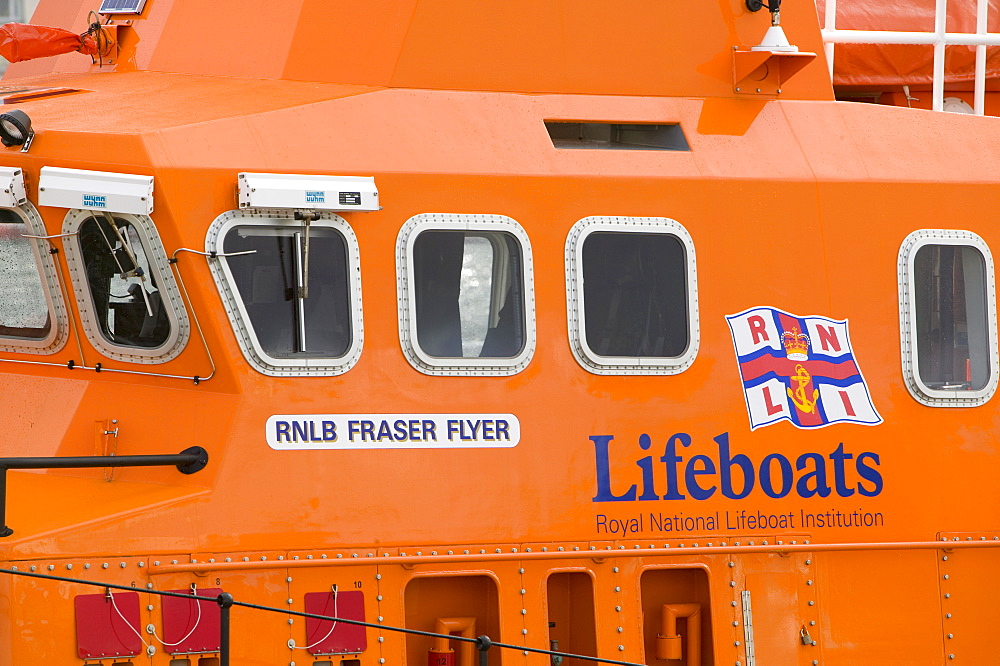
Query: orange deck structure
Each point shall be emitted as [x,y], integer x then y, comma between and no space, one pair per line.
[582,326]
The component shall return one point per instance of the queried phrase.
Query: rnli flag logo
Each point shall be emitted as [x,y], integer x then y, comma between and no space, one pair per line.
[799,369]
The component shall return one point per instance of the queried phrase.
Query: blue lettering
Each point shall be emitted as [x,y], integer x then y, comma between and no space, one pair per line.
[604,493]
[786,475]
[329,431]
[671,459]
[777,478]
[95,200]
[869,473]
[281,429]
[839,457]
[429,431]
[817,476]
[691,474]
[726,469]
[299,432]
[646,465]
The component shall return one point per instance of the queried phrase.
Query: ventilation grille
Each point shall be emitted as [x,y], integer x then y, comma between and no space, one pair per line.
[616,136]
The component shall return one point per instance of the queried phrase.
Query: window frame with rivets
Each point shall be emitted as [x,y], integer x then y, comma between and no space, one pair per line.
[162,295]
[465,311]
[674,278]
[35,263]
[923,350]
[270,326]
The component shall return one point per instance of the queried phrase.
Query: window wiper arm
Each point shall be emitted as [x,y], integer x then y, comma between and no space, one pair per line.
[308,218]
[302,273]
[136,269]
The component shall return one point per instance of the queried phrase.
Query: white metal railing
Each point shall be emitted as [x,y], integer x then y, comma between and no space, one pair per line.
[939,39]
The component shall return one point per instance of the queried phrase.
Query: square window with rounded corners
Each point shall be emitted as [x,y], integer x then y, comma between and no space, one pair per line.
[947,318]
[292,290]
[129,303]
[466,304]
[631,295]
[33,315]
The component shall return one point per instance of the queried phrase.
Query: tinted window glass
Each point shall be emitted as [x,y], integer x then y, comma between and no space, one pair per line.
[469,296]
[126,299]
[24,312]
[950,302]
[635,294]
[287,321]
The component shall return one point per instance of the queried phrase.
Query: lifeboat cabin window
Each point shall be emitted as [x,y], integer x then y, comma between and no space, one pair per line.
[129,303]
[32,313]
[948,318]
[292,290]
[467,306]
[631,295]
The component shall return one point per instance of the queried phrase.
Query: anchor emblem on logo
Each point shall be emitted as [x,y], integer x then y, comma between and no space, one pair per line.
[799,396]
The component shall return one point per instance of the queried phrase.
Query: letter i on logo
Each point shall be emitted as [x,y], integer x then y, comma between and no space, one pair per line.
[846,399]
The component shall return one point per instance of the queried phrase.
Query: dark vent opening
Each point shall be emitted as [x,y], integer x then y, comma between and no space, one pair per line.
[616,136]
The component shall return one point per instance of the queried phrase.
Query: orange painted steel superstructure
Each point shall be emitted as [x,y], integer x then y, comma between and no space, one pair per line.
[587,528]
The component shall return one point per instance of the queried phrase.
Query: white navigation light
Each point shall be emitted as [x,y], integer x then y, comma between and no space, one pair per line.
[774,39]
[281,190]
[96,190]
[12,193]
[775,42]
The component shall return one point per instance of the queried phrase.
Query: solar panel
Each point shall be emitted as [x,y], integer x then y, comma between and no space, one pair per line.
[121,6]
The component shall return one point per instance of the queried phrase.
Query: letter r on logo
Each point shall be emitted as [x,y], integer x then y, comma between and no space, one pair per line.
[758,328]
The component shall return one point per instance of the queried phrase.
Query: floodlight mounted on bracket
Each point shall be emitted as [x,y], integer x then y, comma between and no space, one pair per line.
[764,68]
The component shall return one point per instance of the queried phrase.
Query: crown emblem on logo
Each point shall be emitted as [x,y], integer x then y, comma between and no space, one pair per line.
[796,344]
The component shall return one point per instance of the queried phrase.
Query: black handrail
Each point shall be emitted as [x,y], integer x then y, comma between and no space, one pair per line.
[188,461]
[226,601]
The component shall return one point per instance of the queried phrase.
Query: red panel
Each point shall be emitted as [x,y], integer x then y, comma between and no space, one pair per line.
[345,638]
[101,631]
[181,618]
